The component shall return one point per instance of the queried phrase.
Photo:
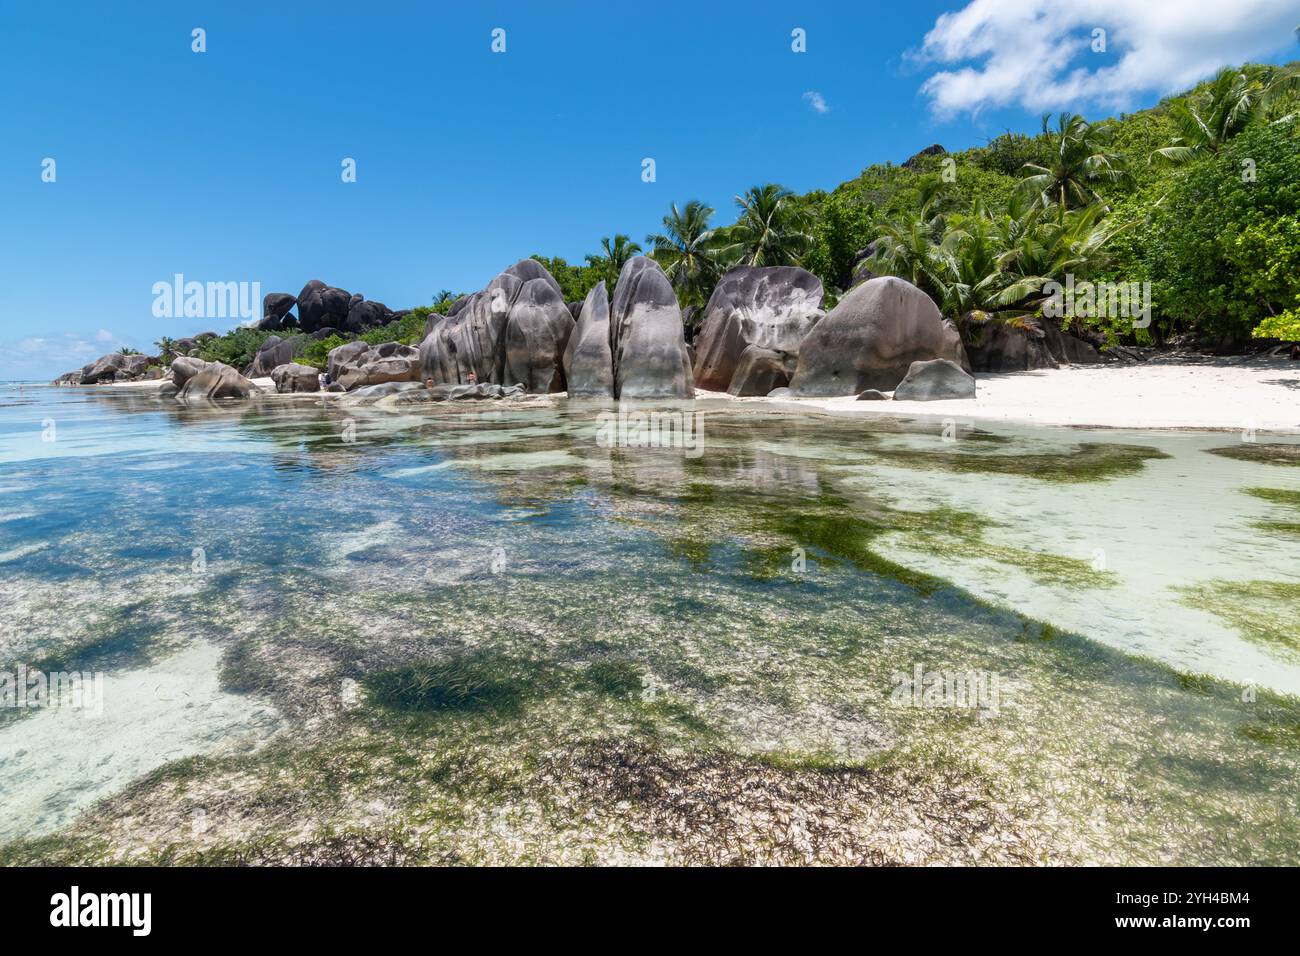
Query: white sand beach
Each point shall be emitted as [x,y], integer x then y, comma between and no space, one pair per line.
[1232,394]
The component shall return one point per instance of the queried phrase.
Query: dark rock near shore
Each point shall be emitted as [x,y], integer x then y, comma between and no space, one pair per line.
[588,365]
[873,395]
[935,381]
[761,370]
[646,340]
[537,333]
[216,380]
[184,368]
[513,332]
[292,377]
[356,365]
[770,309]
[871,338]
[273,353]
[1025,346]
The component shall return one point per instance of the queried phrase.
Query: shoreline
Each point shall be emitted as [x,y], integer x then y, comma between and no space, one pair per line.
[1221,395]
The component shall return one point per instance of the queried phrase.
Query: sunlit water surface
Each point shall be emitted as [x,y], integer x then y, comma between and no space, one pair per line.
[778,583]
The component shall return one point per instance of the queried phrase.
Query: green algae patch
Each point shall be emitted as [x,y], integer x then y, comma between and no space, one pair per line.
[131,635]
[1278,496]
[1268,453]
[1286,529]
[471,681]
[614,678]
[1266,612]
[1284,498]
[1091,461]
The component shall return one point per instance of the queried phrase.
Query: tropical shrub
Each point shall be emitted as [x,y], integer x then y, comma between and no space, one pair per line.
[1223,246]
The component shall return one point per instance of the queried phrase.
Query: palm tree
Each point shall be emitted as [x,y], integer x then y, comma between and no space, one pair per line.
[907,246]
[1080,161]
[166,348]
[1204,124]
[616,254]
[685,250]
[772,229]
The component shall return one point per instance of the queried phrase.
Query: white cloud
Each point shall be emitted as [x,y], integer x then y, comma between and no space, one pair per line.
[103,335]
[816,101]
[1036,53]
[41,357]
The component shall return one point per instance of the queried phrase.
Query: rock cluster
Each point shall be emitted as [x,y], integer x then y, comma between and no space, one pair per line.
[514,332]
[324,308]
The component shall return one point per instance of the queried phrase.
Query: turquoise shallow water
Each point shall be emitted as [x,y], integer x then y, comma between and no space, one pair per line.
[226,568]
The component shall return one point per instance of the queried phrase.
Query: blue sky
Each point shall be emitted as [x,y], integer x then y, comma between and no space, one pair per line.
[225,165]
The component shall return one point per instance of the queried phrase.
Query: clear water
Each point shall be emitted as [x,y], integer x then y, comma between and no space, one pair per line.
[240,574]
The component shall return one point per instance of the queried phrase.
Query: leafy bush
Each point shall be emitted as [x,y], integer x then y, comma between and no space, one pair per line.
[236,348]
[318,352]
[1225,248]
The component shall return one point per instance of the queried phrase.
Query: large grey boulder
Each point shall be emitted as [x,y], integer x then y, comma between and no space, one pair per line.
[588,365]
[133,366]
[871,338]
[1029,344]
[646,341]
[345,357]
[1002,347]
[512,332]
[184,368]
[216,380]
[103,369]
[935,381]
[356,365]
[537,332]
[760,370]
[292,377]
[273,353]
[769,308]
[321,305]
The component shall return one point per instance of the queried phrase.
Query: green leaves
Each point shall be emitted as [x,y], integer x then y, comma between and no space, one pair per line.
[687,251]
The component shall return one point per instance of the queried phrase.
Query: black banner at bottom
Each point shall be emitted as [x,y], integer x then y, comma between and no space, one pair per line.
[214,905]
